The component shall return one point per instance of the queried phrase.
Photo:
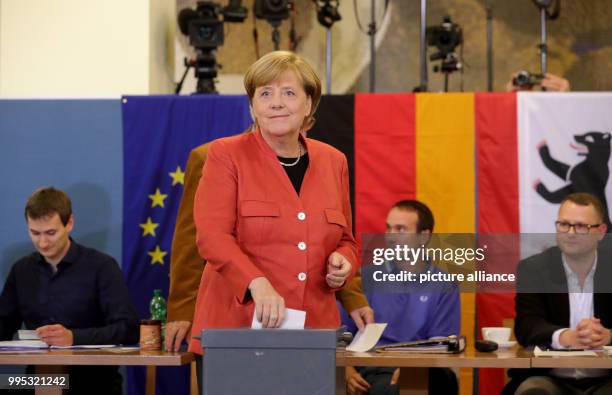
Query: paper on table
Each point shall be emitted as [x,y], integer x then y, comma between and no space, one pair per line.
[538,352]
[23,344]
[294,319]
[27,334]
[367,338]
[85,346]
[39,344]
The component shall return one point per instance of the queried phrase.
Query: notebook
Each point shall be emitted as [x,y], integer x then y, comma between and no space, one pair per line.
[439,345]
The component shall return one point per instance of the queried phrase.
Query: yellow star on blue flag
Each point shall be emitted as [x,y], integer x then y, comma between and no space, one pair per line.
[157,199]
[178,176]
[157,256]
[148,228]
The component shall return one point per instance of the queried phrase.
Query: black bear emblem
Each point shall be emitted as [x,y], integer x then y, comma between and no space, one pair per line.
[590,175]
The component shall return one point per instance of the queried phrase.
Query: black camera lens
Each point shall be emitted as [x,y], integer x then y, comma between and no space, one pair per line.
[276,5]
[522,78]
[445,39]
[525,78]
[206,32]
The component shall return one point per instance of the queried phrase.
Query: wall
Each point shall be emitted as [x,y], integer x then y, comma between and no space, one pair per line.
[350,46]
[90,48]
[76,48]
[579,43]
[75,145]
[162,30]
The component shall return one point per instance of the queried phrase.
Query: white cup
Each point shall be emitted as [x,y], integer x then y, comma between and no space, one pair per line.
[498,334]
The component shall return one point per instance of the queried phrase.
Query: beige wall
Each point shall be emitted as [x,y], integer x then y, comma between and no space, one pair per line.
[162,30]
[85,48]
[350,46]
[51,48]
[580,44]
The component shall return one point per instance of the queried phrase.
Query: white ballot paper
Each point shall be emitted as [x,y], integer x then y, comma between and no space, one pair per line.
[538,352]
[39,344]
[367,338]
[294,319]
[25,334]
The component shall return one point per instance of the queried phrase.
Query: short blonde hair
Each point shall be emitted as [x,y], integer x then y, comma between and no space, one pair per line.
[267,68]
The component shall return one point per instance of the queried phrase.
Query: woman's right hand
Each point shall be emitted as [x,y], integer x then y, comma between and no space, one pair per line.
[269,305]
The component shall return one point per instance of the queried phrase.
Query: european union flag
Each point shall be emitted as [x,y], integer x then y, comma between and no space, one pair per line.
[158,134]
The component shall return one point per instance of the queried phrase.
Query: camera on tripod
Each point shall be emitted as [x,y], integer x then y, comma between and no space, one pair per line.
[524,79]
[445,37]
[204,27]
[274,11]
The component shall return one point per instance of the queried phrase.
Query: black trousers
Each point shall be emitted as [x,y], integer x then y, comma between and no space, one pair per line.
[442,381]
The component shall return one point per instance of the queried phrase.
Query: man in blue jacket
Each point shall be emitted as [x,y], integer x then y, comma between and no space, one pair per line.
[411,311]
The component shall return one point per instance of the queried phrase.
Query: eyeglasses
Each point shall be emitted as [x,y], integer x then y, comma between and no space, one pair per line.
[564,227]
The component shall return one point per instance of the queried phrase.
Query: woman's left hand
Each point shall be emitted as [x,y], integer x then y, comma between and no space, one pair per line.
[338,270]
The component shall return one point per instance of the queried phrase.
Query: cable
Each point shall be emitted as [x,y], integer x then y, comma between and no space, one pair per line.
[255,36]
[556,10]
[359,22]
[293,38]
[463,66]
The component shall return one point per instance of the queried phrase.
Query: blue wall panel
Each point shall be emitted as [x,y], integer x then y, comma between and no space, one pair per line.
[75,145]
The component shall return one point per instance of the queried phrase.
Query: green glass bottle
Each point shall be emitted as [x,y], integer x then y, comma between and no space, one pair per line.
[157,308]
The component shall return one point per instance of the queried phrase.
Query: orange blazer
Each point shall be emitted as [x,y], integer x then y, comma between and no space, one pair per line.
[250,222]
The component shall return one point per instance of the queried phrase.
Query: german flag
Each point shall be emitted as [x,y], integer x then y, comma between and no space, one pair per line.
[403,146]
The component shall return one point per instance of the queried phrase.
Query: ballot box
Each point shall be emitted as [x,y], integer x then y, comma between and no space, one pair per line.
[268,361]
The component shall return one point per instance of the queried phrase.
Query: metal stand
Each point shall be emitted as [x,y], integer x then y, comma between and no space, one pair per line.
[423,48]
[489,10]
[545,14]
[179,86]
[327,14]
[328,62]
[543,45]
[372,34]
[276,35]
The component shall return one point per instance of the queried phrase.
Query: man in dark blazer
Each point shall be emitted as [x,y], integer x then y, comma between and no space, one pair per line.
[563,300]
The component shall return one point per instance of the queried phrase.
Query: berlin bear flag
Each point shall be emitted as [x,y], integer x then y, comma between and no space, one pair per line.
[564,145]
[531,155]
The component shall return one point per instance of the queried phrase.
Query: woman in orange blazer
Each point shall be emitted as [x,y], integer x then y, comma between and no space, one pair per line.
[272,210]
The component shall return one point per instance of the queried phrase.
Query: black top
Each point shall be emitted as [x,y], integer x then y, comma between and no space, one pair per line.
[296,173]
[87,295]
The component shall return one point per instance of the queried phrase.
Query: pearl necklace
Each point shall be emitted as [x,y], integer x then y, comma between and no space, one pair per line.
[296,161]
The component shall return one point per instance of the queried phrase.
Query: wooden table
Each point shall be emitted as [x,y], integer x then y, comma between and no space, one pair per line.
[414,367]
[55,361]
[602,361]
